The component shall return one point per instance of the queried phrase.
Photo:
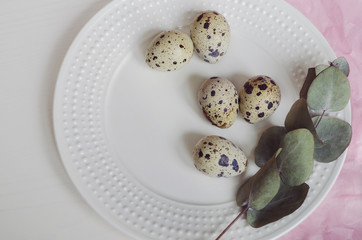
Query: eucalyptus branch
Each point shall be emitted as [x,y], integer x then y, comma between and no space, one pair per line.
[233,221]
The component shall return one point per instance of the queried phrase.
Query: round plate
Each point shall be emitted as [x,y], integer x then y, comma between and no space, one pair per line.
[125,132]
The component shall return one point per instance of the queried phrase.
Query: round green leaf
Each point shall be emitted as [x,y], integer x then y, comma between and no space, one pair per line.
[330,91]
[287,200]
[342,64]
[265,185]
[299,117]
[335,134]
[295,161]
[260,189]
[320,68]
[268,144]
[244,192]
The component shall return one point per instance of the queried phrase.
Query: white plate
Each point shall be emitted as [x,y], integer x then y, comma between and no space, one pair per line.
[125,132]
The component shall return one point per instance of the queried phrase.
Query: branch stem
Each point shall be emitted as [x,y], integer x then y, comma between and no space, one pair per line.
[230,224]
[320,118]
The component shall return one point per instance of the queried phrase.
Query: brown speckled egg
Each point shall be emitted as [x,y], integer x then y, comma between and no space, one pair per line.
[210,33]
[218,99]
[259,98]
[169,51]
[218,157]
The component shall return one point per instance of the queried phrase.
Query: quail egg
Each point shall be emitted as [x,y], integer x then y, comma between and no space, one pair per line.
[259,98]
[216,156]
[169,51]
[218,99]
[210,33]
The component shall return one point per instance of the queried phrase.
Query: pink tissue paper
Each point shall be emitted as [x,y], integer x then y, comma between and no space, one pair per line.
[339,216]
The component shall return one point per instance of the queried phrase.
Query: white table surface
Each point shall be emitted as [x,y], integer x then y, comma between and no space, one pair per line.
[37,199]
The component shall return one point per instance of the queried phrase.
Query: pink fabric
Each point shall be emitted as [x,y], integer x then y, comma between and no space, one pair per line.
[339,216]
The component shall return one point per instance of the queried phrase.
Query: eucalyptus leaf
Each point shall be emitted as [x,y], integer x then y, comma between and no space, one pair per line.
[320,68]
[268,144]
[299,117]
[287,200]
[259,190]
[295,161]
[244,192]
[265,185]
[335,134]
[330,91]
[308,81]
[342,64]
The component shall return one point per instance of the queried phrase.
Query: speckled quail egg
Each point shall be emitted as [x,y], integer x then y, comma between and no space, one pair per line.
[210,33]
[216,156]
[259,98]
[218,99]
[169,51]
